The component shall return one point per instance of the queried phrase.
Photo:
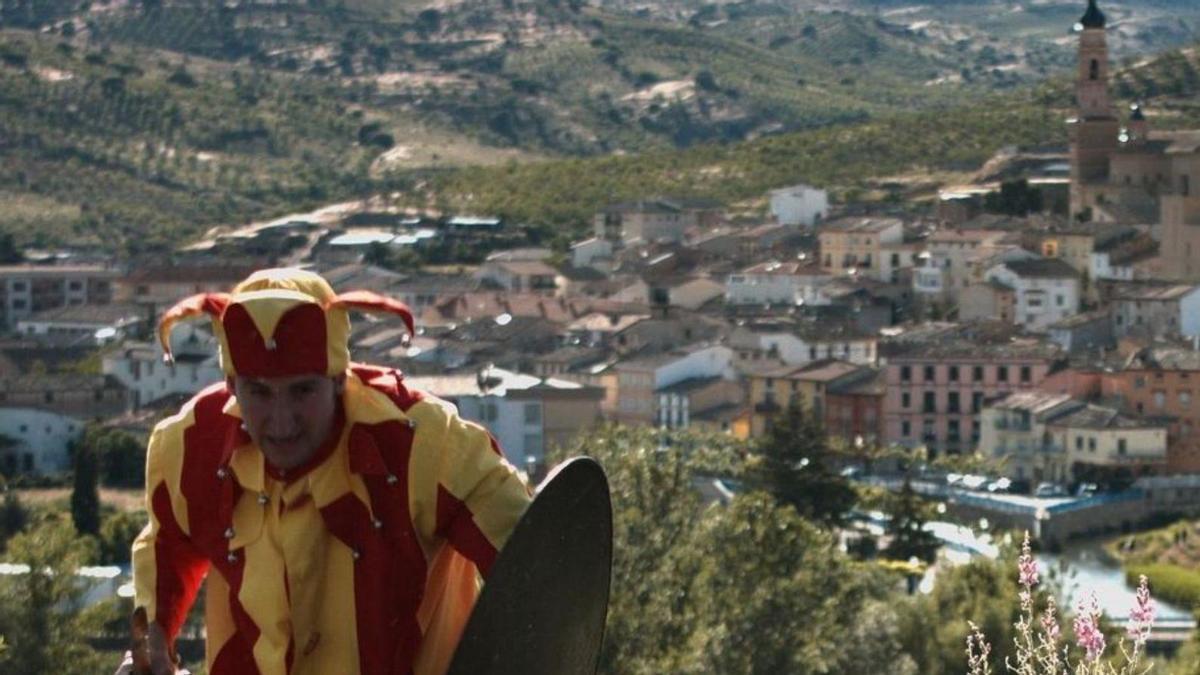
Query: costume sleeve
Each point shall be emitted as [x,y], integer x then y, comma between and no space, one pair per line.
[167,568]
[480,496]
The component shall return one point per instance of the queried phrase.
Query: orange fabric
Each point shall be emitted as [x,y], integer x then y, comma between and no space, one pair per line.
[354,564]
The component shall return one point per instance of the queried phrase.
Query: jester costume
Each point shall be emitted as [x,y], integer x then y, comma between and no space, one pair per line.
[366,559]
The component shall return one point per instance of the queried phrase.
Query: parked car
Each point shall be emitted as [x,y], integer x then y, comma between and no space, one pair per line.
[1050,490]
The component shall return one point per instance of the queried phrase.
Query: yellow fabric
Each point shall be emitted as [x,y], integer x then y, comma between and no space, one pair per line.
[298,579]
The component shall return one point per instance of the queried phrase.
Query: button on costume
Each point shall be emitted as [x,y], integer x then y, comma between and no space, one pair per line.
[367,558]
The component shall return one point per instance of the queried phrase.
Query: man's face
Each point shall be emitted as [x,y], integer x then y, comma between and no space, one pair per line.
[288,417]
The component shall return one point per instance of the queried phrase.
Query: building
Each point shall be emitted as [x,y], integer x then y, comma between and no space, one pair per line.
[799,205]
[643,381]
[1155,309]
[1045,291]
[25,289]
[1162,382]
[519,276]
[648,220]
[944,271]
[777,283]
[1042,436]
[843,394]
[1122,166]
[528,415]
[139,366]
[37,441]
[797,344]
[84,325]
[167,285]
[939,378]
[858,246]
[79,396]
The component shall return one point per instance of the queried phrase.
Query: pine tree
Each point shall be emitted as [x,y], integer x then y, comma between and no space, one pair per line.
[907,528]
[85,498]
[795,464]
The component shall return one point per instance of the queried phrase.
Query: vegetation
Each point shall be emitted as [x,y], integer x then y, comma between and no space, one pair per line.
[1169,556]
[85,496]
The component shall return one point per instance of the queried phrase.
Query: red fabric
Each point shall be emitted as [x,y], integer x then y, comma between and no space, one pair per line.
[299,337]
[179,567]
[374,302]
[388,381]
[457,524]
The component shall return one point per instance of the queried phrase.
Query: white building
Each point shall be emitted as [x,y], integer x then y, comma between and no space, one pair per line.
[1156,310]
[799,205]
[803,346]
[525,413]
[782,283]
[519,276]
[92,325]
[39,441]
[1045,290]
[594,253]
[945,267]
[140,367]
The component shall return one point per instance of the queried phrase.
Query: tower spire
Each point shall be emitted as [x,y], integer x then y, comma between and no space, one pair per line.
[1093,17]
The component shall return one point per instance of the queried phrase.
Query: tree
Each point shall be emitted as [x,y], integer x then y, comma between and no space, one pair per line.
[13,517]
[85,497]
[907,527]
[117,535]
[794,464]
[1015,198]
[39,610]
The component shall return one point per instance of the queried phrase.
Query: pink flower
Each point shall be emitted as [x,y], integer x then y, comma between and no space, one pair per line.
[1141,617]
[1087,627]
[1027,565]
[1050,621]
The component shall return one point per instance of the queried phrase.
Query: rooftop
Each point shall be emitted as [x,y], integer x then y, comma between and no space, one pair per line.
[487,382]
[861,225]
[1042,268]
[1158,292]
[100,315]
[1093,416]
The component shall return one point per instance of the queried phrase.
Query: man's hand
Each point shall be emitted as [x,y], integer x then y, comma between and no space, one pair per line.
[152,657]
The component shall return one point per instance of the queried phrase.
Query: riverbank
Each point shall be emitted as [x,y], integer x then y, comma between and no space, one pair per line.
[1169,556]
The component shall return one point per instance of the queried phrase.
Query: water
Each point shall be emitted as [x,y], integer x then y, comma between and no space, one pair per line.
[1086,566]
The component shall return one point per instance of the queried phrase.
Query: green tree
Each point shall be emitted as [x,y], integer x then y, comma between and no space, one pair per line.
[39,610]
[117,535]
[85,496]
[907,527]
[795,463]
[13,517]
[121,456]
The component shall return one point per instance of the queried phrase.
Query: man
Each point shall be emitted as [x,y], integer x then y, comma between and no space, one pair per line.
[342,519]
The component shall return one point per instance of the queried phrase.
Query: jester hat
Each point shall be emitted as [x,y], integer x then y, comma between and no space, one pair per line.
[281,322]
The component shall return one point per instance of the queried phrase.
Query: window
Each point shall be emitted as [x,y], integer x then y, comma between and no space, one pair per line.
[930,373]
[1185,185]
[1185,398]
[927,432]
[930,402]
[974,431]
[74,286]
[1092,444]
[905,373]
[905,399]
[952,373]
[1160,399]
[1059,301]
[1026,374]
[1121,446]
[976,401]
[1139,382]
[952,430]
[1079,442]
[905,429]
[1002,373]
[19,286]
[48,397]
[952,402]
[977,374]
[533,413]
[770,383]
[1094,69]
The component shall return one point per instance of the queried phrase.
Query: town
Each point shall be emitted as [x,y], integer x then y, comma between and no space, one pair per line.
[1039,325]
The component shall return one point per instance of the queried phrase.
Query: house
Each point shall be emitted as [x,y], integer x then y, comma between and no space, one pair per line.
[528,415]
[1045,291]
[778,283]
[706,402]
[1088,330]
[945,271]
[68,394]
[803,342]
[25,289]
[594,253]
[139,366]
[939,377]
[84,325]
[519,276]
[1043,436]
[799,205]
[773,388]
[641,381]
[36,441]
[1154,309]
[856,245]
[647,220]
[166,285]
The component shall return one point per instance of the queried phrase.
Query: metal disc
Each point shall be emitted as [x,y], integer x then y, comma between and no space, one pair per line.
[544,604]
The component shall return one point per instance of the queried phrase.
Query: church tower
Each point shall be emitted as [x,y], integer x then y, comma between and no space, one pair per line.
[1095,129]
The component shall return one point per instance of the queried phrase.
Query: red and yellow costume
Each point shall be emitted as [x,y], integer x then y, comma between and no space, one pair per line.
[364,560]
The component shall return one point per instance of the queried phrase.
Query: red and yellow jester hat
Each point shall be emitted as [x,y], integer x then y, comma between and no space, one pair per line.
[281,322]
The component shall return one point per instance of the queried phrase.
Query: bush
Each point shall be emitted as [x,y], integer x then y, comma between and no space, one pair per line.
[1172,583]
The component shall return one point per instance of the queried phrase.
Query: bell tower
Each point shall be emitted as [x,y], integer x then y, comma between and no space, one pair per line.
[1095,129]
